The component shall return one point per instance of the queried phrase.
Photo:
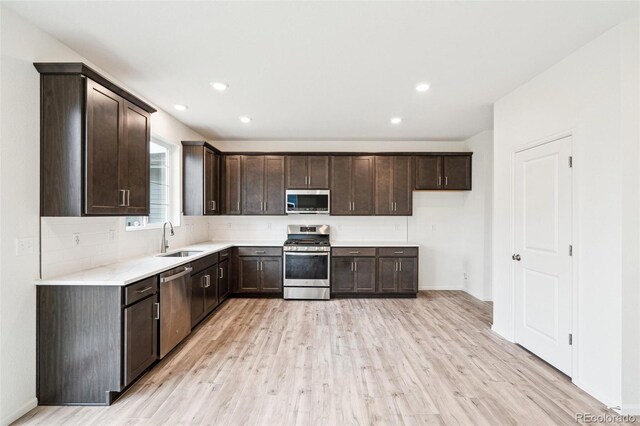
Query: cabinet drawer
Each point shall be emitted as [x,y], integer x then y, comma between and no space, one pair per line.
[140,290]
[204,263]
[398,252]
[259,251]
[224,254]
[354,251]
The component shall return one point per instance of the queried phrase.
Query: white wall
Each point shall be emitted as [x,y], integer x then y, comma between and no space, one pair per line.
[449,226]
[581,95]
[21,45]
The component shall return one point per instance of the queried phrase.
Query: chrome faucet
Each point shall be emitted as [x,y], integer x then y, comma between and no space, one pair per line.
[165,242]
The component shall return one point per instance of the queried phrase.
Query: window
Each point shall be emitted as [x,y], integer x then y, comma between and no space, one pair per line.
[159,174]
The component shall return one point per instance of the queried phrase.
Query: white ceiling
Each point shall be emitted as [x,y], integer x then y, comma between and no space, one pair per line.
[327,70]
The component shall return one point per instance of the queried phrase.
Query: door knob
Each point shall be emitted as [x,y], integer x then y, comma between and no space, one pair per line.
[516,257]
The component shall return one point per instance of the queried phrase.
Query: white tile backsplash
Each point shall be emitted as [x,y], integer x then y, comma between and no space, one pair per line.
[104,240]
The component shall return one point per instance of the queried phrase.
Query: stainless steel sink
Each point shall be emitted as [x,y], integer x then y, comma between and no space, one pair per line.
[185,253]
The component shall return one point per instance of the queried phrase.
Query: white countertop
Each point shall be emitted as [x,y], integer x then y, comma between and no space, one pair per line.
[131,271]
[125,273]
[373,244]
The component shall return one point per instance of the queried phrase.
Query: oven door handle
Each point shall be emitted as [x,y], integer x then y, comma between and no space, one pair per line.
[302,253]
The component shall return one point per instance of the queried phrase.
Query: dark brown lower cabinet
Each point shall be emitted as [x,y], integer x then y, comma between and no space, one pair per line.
[370,270]
[398,274]
[204,292]
[93,341]
[140,337]
[224,285]
[259,274]
[353,274]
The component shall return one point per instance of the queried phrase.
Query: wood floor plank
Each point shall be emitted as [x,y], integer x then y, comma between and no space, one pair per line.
[430,360]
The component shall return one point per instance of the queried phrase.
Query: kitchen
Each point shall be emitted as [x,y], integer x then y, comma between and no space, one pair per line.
[210,255]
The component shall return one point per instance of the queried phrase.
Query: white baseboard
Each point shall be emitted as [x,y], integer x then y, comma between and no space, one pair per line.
[30,405]
[605,399]
[629,410]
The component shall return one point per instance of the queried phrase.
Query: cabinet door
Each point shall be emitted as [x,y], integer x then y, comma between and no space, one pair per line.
[403,185]
[198,281]
[342,276]
[211,299]
[223,281]
[341,185]
[232,184]
[253,184]
[140,338]
[104,193]
[271,274]
[134,159]
[211,187]
[407,275]
[297,171]
[457,172]
[387,268]
[384,185]
[248,274]
[318,172]
[365,274]
[428,172]
[362,185]
[274,185]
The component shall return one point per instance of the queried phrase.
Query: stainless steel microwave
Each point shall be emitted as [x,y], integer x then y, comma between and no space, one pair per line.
[307,201]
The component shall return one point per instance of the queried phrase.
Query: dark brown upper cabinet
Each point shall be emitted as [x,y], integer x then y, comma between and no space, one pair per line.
[449,172]
[200,179]
[94,144]
[352,185]
[263,185]
[307,172]
[232,184]
[393,185]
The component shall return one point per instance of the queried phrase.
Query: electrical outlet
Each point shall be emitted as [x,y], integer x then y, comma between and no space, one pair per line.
[465,276]
[112,234]
[24,246]
[76,240]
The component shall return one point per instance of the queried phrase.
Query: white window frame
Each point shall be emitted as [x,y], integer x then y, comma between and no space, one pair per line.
[173,172]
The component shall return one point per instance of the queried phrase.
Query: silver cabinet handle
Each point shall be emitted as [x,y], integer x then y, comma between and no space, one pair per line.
[446,180]
[128,198]
[238,206]
[157,309]
[261,266]
[354,252]
[400,263]
[123,201]
[439,180]
[215,204]
[203,284]
[221,275]
[398,252]
[309,179]
[178,275]
[306,178]
[144,290]
[355,266]
[260,251]
[351,266]
[395,264]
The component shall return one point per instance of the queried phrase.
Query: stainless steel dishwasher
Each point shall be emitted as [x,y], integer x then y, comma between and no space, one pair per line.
[175,307]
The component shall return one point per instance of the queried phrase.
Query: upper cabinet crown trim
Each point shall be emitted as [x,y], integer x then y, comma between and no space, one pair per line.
[83,69]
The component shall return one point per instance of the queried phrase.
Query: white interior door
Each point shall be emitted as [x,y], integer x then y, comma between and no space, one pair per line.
[542,258]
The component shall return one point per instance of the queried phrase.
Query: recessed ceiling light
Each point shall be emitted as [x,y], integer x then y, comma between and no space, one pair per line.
[422,87]
[181,107]
[245,119]
[396,120]
[219,86]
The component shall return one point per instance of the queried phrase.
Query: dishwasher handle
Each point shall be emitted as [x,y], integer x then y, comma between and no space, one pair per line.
[187,270]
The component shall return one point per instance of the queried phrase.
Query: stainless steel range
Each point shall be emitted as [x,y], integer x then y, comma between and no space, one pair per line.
[306,262]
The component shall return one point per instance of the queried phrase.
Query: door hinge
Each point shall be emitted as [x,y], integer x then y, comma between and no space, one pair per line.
[570,161]
[570,339]
[571,250]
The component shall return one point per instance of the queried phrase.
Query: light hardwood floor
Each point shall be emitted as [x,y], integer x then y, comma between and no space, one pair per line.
[430,360]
